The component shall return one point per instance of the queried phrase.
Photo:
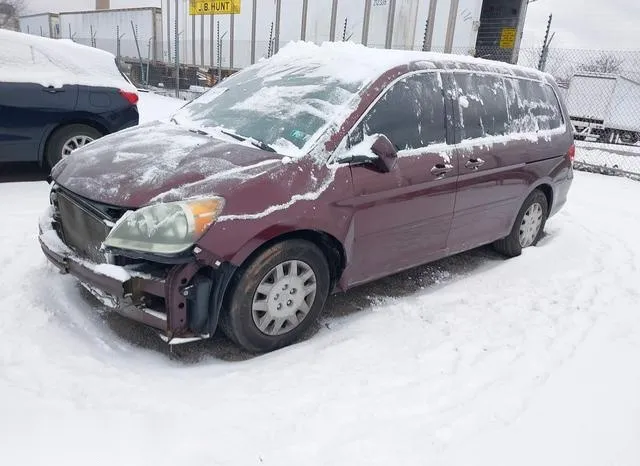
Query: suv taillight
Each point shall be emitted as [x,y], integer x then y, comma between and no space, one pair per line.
[131,97]
[572,152]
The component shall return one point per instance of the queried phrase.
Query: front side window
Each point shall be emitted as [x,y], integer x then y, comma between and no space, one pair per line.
[411,114]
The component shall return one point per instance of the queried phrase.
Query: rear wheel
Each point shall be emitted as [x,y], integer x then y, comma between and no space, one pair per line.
[277,296]
[68,139]
[528,227]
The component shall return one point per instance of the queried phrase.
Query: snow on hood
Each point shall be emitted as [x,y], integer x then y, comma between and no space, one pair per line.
[56,62]
[158,162]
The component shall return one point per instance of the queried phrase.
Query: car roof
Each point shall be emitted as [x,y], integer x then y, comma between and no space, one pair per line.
[56,62]
[348,60]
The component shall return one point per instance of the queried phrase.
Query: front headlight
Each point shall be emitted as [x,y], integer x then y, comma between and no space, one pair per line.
[169,228]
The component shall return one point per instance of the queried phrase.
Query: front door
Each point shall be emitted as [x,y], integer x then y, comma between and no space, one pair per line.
[402,218]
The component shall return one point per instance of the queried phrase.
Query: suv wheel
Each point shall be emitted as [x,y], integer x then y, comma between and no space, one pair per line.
[528,227]
[277,296]
[67,139]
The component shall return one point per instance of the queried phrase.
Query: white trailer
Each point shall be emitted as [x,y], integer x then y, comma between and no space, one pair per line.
[604,107]
[101,29]
[459,26]
[44,25]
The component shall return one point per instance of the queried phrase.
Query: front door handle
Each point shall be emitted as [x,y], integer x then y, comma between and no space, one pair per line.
[474,164]
[441,169]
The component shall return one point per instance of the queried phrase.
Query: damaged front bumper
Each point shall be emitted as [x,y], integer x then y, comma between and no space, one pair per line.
[181,303]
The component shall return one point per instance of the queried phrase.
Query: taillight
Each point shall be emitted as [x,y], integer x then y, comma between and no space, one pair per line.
[572,152]
[131,97]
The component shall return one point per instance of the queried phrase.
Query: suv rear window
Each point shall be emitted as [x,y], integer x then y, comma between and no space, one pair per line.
[533,106]
[491,105]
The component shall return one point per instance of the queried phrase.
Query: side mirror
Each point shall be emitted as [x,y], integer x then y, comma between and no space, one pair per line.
[386,152]
[382,153]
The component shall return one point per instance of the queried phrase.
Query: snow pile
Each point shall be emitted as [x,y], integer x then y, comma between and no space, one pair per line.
[154,107]
[50,62]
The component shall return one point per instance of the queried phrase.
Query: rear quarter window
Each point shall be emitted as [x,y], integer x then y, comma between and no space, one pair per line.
[533,106]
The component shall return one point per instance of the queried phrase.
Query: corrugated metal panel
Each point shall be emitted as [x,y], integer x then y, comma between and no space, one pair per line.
[623,108]
[589,96]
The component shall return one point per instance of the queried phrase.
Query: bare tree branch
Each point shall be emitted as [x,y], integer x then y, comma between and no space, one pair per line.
[608,64]
[10,11]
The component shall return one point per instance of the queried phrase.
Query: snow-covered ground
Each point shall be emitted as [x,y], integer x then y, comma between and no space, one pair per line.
[157,107]
[473,360]
[625,158]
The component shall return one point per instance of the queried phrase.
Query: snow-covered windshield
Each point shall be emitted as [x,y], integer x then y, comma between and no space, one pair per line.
[282,102]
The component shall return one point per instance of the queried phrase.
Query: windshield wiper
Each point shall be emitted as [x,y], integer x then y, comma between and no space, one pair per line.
[233,135]
[262,145]
[199,131]
[259,144]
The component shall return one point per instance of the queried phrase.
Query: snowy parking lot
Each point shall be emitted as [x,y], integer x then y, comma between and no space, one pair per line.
[470,360]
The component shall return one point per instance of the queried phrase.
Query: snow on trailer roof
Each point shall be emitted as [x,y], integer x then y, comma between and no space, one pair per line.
[56,62]
[348,61]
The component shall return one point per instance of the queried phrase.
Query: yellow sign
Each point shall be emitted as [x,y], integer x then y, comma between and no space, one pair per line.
[508,38]
[214,7]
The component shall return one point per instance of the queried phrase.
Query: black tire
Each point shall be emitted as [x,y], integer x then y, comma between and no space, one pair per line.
[237,321]
[53,150]
[510,246]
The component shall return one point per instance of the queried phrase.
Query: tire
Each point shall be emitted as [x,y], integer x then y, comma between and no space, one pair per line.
[511,246]
[246,307]
[53,152]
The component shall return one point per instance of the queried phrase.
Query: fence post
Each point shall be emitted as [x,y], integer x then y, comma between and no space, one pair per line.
[232,26]
[135,38]
[428,43]
[212,31]
[545,47]
[177,52]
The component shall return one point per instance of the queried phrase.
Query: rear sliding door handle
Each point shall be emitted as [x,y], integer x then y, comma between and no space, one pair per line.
[474,164]
[441,169]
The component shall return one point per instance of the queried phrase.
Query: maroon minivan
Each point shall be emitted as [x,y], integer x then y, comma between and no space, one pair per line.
[319,169]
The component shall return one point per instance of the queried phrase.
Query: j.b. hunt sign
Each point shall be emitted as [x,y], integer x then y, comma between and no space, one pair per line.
[214,7]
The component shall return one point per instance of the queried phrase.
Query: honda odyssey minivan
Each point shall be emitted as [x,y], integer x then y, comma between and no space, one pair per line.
[314,171]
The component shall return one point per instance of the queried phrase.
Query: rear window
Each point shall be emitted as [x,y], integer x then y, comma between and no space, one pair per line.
[533,106]
[491,105]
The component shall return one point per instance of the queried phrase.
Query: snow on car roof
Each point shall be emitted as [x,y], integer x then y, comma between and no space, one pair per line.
[351,62]
[56,62]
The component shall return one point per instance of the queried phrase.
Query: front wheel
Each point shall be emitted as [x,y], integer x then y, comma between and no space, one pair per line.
[277,296]
[528,227]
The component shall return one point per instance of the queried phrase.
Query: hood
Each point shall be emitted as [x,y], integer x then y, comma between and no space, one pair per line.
[159,162]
